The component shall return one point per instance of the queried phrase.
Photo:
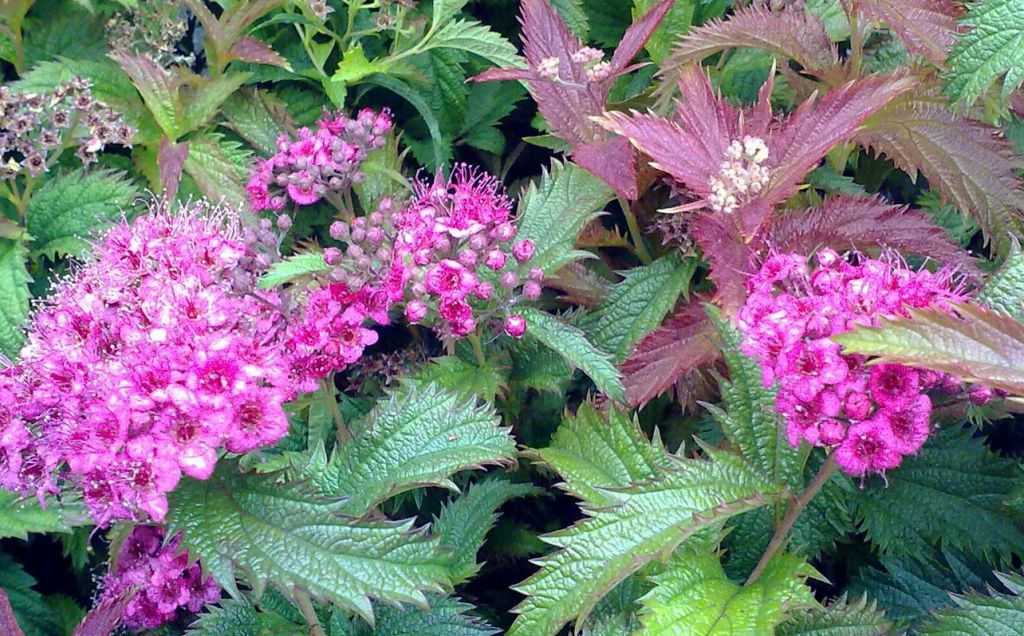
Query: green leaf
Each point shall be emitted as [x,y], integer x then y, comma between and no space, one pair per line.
[638,303]
[34,616]
[674,26]
[444,11]
[416,437]
[233,617]
[749,420]
[594,452]
[468,379]
[216,166]
[553,213]
[416,100]
[465,521]
[14,295]
[976,615]
[979,346]
[537,367]
[472,37]
[992,48]
[202,96]
[446,616]
[1004,290]
[614,541]
[20,517]
[70,209]
[952,493]
[251,114]
[570,342]
[354,66]
[283,535]
[693,597]
[293,267]
[841,618]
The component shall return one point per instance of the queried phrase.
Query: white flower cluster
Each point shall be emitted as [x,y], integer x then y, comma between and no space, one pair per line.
[548,68]
[741,174]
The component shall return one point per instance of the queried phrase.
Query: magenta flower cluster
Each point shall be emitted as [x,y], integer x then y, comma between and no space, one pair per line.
[160,576]
[144,364]
[318,162]
[872,415]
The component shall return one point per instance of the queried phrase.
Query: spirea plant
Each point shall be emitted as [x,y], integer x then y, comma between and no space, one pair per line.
[450,318]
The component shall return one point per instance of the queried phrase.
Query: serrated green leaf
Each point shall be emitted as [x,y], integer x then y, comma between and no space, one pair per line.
[70,209]
[201,98]
[34,616]
[614,541]
[749,418]
[269,532]
[553,212]
[293,267]
[840,618]
[537,367]
[446,616]
[232,617]
[468,379]
[827,179]
[399,87]
[64,30]
[638,303]
[570,342]
[594,452]
[977,615]
[444,11]
[20,517]
[418,436]
[993,47]
[249,114]
[1004,290]
[472,37]
[952,493]
[465,521]
[216,166]
[14,296]
[449,91]
[693,597]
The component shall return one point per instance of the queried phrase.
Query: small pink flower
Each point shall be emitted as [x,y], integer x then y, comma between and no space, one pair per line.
[909,426]
[449,279]
[894,385]
[415,311]
[867,449]
[515,326]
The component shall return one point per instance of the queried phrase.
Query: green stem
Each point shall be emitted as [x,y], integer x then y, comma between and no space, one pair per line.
[856,43]
[796,506]
[634,232]
[309,613]
[341,432]
[478,351]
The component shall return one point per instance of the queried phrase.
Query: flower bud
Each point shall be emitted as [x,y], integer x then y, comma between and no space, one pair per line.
[415,311]
[284,222]
[537,274]
[515,326]
[484,290]
[495,259]
[531,290]
[510,280]
[505,232]
[332,256]
[339,231]
[523,250]
[468,258]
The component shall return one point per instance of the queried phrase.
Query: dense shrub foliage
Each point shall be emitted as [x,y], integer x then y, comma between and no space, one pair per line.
[634,317]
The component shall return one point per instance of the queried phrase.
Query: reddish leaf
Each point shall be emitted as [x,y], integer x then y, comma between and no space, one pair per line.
[730,256]
[249,49]
[692,146]
[103,619]
[967,161]
[8,622]
[612,161]
[817,126]
[685,342]
[159,89]
[171,161]
[792,33]
[863,223]
[638,34]
[926,27]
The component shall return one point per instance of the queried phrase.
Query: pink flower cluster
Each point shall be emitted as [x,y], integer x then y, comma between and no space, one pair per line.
[459,235]
[145,363]
[321,161]
[161,576]
[872,415]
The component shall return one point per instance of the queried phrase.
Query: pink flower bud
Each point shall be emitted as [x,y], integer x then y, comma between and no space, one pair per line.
[284,222]
[515,326]
[857,406]
[468,258]
[980,395]
[531,290]
[523,250]
[537,274]
[484,290]
[510,280]
[505,232]
[495,259]
[339,230]
[415,311]
[332,256]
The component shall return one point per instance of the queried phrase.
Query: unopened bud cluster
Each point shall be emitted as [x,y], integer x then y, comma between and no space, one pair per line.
[318,162]
[35,127]
[741,176]
[152,28]
[587,62]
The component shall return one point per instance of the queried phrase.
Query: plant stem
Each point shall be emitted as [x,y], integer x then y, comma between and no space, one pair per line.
[478,351]
[856,43]
[634,231]
[341,431]
[796,506]
[309,613]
